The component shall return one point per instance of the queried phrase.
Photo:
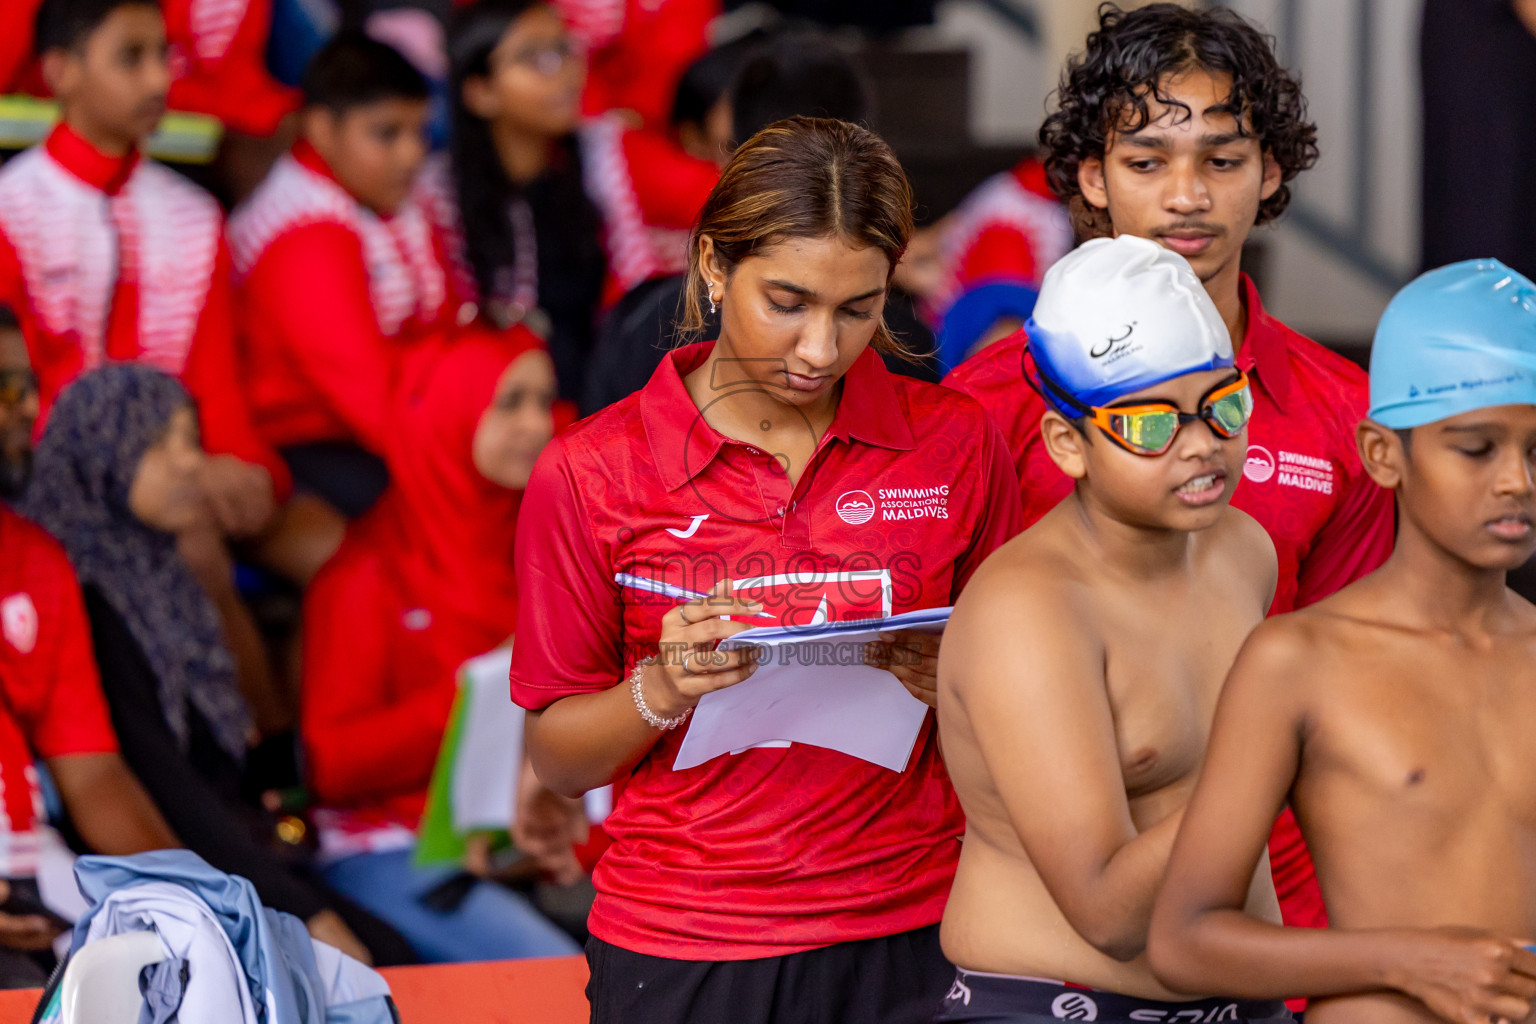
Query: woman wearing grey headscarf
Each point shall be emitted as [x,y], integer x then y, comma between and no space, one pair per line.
[115,477]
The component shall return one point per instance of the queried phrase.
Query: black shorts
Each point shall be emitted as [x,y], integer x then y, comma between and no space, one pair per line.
[998,999]
[898,979]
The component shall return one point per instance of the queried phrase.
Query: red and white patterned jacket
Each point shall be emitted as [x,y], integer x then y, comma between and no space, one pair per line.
[117,258]
[331,299]
[1010,228]
[649,193]
[638,49]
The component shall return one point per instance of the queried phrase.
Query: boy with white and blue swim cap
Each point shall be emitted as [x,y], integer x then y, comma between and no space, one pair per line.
[1395,715]
[1116,316]
[1080,671]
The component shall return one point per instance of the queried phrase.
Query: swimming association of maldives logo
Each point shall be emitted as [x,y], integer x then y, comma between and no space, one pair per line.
[1259,466]
[855,508]
[1289,469]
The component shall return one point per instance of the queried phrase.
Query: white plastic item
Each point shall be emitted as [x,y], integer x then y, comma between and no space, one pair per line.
[101,983]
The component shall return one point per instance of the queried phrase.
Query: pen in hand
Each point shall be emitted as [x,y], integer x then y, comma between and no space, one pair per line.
[624,579]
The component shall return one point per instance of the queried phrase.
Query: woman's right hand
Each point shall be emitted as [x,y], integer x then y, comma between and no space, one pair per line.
[1467,976]
[687,665]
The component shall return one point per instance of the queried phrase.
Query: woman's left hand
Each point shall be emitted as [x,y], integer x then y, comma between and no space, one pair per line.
[913,658]
[548,826]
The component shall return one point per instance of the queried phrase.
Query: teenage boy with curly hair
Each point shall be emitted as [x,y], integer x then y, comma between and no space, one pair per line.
[1181,126]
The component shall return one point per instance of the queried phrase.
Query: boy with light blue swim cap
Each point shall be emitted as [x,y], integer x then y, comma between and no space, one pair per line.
[1081,669]
[1395,714]
[1459,338]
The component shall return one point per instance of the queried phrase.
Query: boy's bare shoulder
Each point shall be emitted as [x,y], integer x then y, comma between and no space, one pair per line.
[1239,539]
[1035,565]
[1025,586]
[1247,534]
[1312,649]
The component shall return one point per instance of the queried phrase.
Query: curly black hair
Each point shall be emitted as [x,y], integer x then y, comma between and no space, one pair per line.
[1106,87]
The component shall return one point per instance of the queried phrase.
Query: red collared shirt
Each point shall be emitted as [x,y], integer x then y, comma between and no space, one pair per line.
[116,258]
[51,704]
[1303,482]
[332,297]
[770,851]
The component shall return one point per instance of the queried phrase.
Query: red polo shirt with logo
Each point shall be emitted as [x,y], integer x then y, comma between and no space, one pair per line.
[51,704]
[1303,481]
[773,850]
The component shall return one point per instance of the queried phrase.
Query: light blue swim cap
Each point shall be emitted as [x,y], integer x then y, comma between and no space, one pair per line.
[1117,315]
[1455,339]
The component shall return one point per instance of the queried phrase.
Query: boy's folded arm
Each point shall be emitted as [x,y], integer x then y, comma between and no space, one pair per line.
[1032,682]
[1202,939]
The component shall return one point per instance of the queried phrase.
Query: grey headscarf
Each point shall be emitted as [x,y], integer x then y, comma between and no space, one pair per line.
[97,433]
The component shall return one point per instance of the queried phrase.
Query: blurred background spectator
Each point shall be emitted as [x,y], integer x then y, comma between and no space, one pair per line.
[116,479]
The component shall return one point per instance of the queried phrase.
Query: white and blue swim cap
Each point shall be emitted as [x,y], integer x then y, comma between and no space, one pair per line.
[1117,315]
[1455,339]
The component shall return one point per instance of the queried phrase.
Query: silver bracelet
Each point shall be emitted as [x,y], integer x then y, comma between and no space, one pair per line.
[652,719]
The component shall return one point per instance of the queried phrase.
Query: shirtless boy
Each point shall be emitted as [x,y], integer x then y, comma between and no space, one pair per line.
[1396,715]
[1080,672]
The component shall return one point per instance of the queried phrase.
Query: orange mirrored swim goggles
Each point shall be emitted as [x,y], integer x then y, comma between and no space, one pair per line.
[1149,428]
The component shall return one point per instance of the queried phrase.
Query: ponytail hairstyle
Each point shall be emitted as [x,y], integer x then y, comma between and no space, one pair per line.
[803,177]
[480,182]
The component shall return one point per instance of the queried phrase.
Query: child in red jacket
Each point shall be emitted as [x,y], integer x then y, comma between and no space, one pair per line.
[422,584]
[339,272]
[106,256]
[217,52]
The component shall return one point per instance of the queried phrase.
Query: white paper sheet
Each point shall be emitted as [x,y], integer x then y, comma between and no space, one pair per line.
[811,687]
[490,751]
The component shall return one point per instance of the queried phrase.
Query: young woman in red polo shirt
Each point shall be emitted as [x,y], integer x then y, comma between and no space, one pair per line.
[781,882]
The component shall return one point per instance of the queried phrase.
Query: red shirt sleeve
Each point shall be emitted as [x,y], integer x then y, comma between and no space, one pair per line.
[311,286]
[212,376]
[1354,541]
[671,186]
[1002,516]
[639,70]
[569,630]
[363,736]
[61,707]
[13,290]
